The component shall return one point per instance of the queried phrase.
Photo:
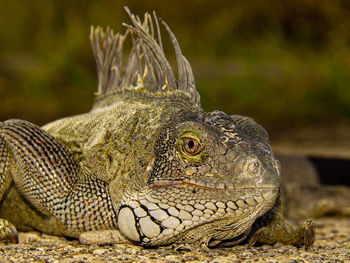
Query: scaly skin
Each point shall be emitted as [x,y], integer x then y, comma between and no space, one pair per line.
[146,162]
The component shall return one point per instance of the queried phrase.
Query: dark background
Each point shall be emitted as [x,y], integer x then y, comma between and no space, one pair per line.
[284,63]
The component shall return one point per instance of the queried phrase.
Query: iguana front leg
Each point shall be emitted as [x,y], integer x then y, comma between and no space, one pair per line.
[47,175]
[279,230]
[43,169]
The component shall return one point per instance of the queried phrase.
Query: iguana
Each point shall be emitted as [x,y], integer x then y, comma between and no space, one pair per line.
[147,162]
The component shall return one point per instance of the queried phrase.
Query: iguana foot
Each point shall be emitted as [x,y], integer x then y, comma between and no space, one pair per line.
[102,237]
[283,232]
[8,232]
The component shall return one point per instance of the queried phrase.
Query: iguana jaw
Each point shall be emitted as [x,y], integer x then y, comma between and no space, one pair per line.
[175,214]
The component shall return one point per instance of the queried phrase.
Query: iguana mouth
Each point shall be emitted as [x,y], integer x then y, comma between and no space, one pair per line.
[206,185]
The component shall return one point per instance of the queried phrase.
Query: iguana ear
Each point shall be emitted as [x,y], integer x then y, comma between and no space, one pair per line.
[43,168]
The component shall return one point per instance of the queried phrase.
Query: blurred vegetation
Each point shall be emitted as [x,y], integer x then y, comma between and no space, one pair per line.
[284,63]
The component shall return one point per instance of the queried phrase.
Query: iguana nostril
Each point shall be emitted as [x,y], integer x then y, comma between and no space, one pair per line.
[254,166]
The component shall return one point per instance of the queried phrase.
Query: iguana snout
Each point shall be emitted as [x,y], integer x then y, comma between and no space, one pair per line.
[254,172]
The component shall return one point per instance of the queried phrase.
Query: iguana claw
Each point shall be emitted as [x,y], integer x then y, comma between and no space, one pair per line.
[309,237]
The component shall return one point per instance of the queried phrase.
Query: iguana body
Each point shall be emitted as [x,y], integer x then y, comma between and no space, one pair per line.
[146,161]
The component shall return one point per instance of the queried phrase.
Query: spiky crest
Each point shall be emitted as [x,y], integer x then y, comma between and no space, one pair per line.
[147,68]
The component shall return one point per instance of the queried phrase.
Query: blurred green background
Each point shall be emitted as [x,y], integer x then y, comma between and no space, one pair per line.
[284,63]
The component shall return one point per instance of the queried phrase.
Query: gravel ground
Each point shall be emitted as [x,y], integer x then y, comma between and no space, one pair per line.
[332,245]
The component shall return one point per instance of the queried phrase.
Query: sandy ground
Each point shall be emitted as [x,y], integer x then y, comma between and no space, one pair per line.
[332,245]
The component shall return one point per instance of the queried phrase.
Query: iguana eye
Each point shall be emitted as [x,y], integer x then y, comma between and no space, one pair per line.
[191,146]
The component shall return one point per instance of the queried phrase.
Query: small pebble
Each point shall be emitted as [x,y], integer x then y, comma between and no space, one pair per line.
[99,251]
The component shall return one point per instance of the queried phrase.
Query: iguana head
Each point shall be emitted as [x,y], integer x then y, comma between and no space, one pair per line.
[211,175]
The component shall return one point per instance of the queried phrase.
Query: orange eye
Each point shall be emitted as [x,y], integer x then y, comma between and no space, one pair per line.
[191,146]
